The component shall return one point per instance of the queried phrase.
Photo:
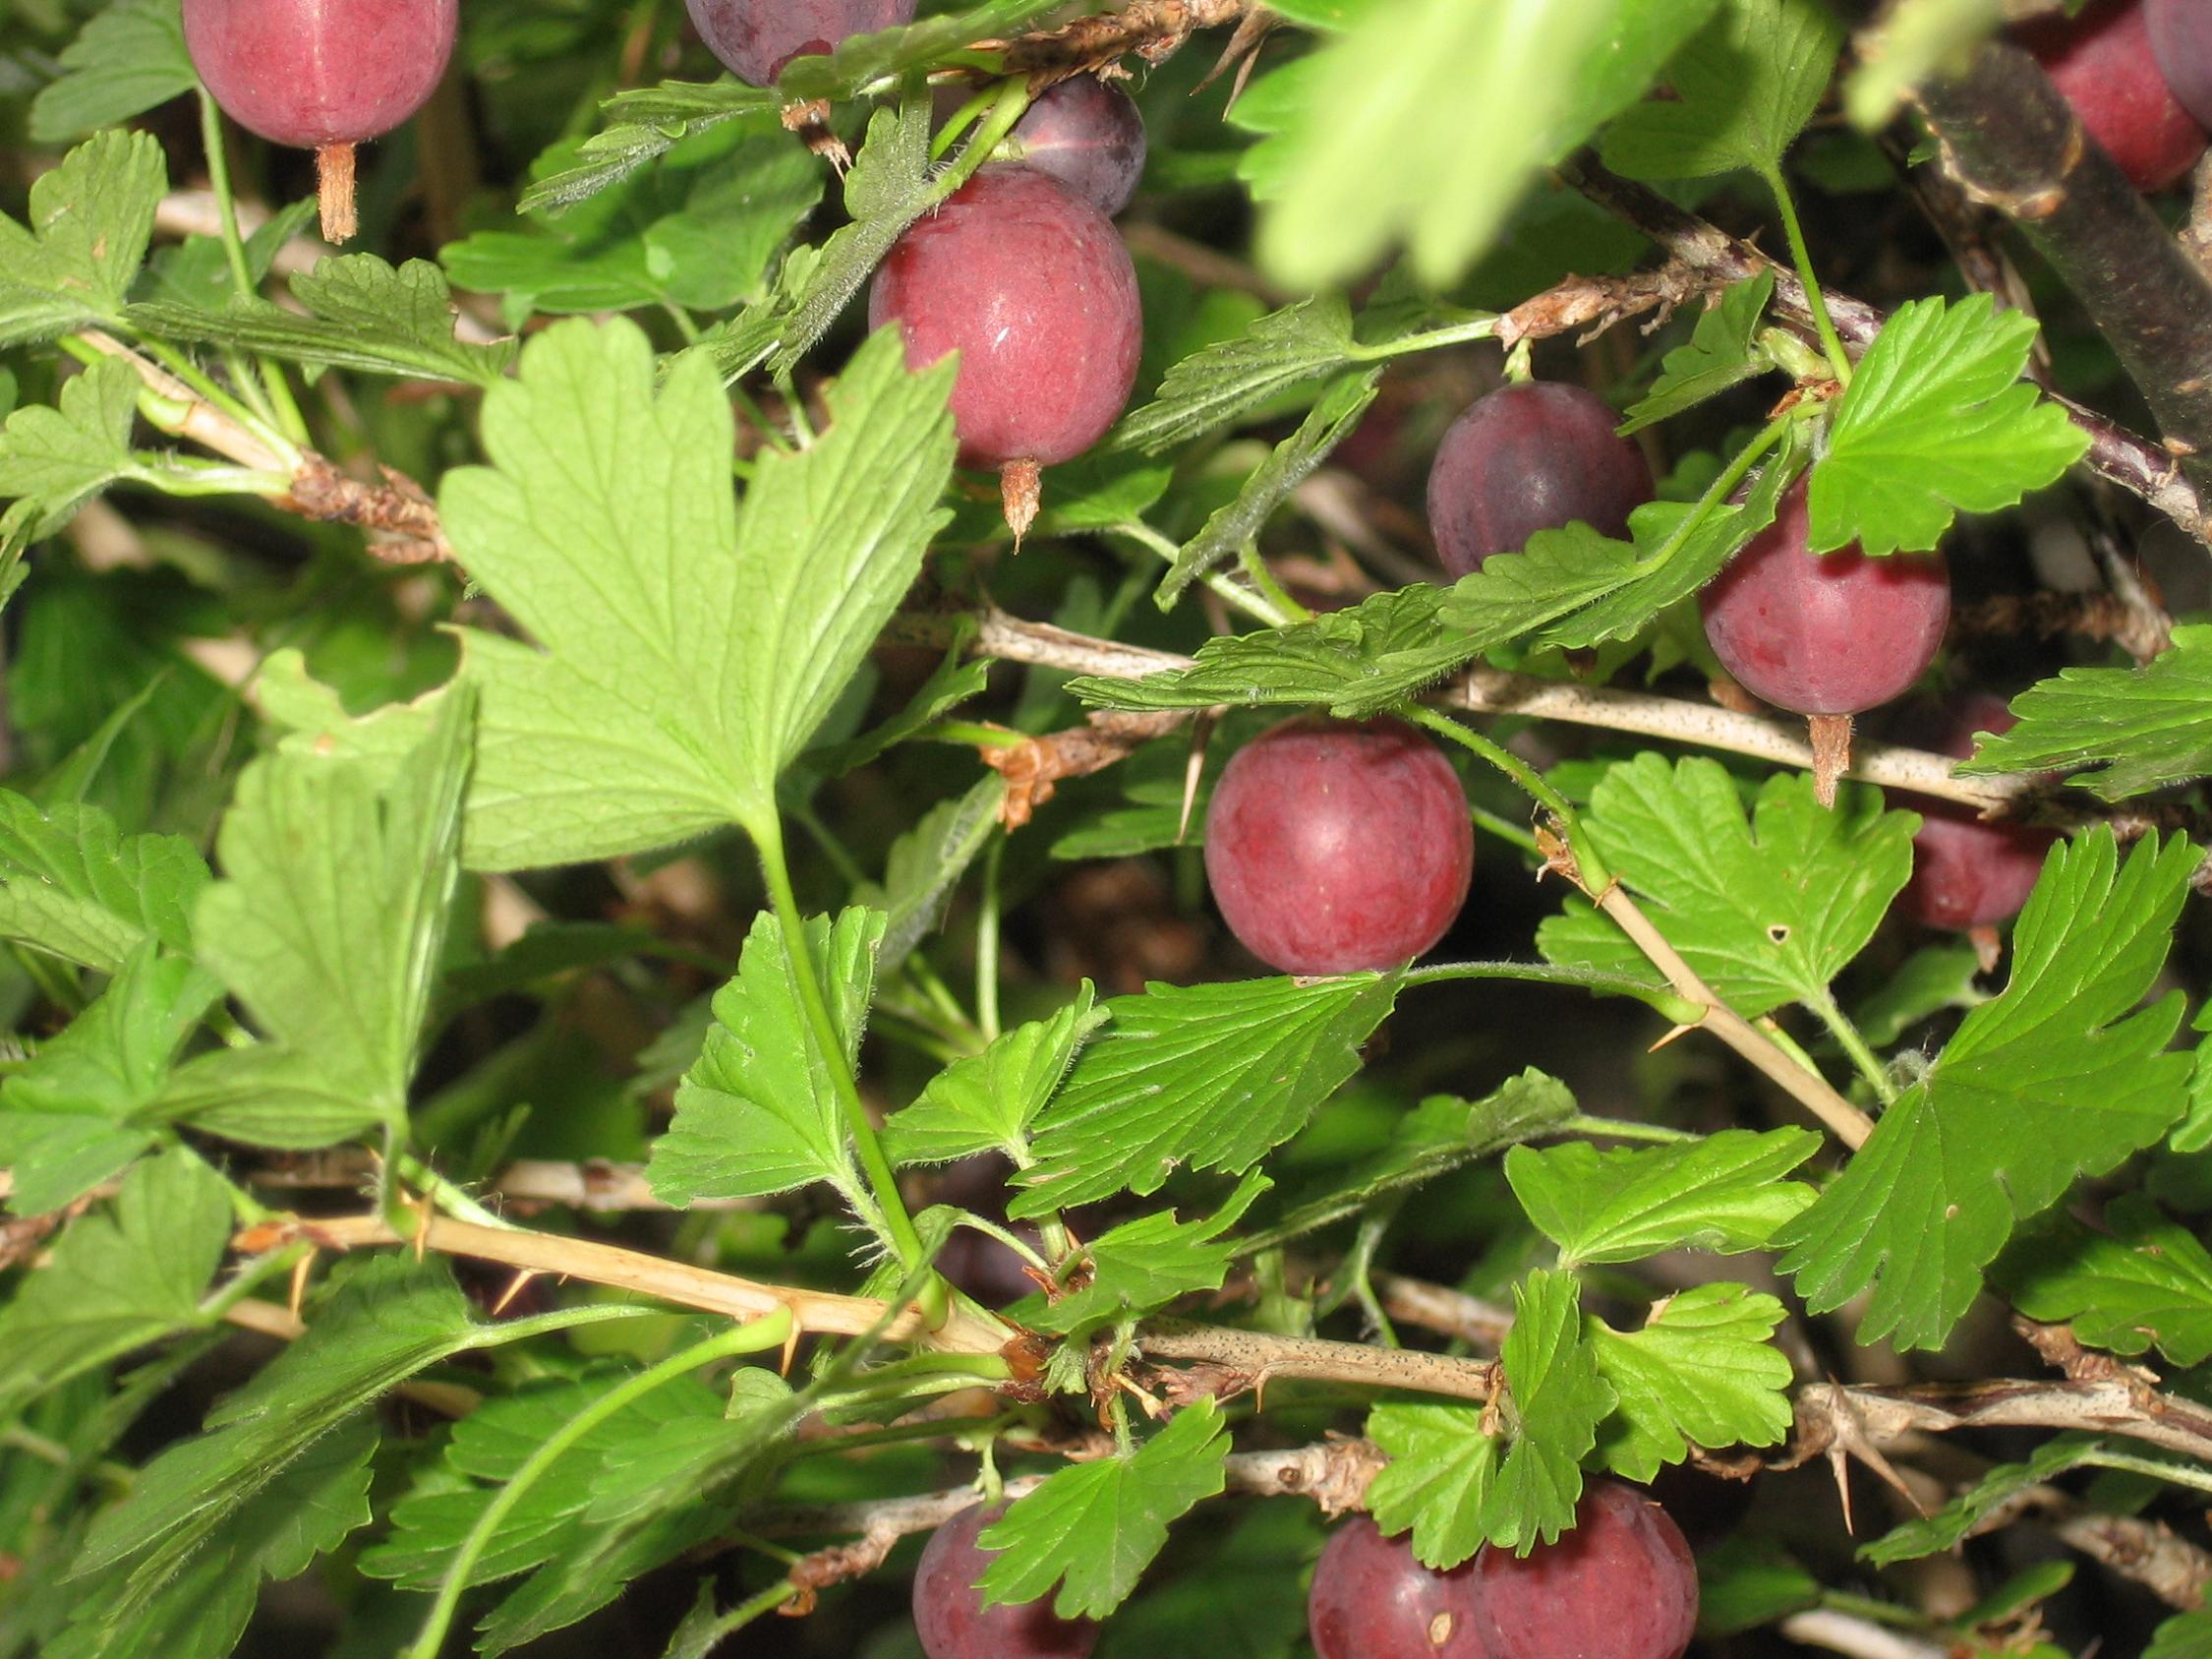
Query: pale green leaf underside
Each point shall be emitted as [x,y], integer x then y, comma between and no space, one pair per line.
[682,657]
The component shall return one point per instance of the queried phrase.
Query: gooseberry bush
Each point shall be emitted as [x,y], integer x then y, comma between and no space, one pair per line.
[1366,829]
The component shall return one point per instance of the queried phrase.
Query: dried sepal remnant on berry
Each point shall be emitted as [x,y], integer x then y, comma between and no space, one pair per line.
[322,75]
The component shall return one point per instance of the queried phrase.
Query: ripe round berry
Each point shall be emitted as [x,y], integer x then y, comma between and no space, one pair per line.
[1967,873]
[309,73]
[1372,1600]
[1333,847]
[949,1612]
[756,38]
[1085,133]
[1828,634]
[1032,286]
[1527,457]
[1621,1586]
[2180,37]
[2102,62]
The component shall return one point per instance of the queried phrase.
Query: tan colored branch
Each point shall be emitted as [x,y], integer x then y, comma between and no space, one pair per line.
[679,1283]
[1856,1637]
[1235,1361]
[1437,1307]
[1833,1414]
[1493,691]
[1843,1120]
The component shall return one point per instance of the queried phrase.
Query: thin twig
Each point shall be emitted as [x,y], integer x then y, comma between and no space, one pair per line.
[1843,1120]
[1240,1360]
[1493,691]
[654,1276]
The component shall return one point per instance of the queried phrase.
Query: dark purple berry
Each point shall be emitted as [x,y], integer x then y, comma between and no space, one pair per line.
[1085,133]
[1372,1600]
[1527,457]
[756,38]
[949,1612]
[1621,1586]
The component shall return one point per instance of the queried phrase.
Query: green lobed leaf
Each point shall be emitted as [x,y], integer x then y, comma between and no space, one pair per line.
[2143,728]
[683,656]
[1358,661]
[488,1445]
[66,1116]
[1436,145]
[1438,1480]
[890,185]
[644,124]
[332,940]
[308,1510]
[2058,1076]
[1722,1193]
[1093,1529]
[700,230]
[359,313]
[1929,980]
[1742,88]
[1767,909]
[387,1319]
[196,272]
[128,58]
[1207,389]
[1289,464]
[55,459]
[1141,1265]
[2185,1635]
[1936,419]
[926,863]
[118,1279]
[986,1103]
[1456,1487]
[1198,1077]
[681,1489]
[758,1113]
[1722,351]
[1970,1513]
[1556,1400]
[71,886]
[1439,1135]
[1702,1372]
[2146,1281]
[953,682]
[70,264]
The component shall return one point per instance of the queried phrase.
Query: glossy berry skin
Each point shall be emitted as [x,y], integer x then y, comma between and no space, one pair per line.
[756,38]
[311,73]
[1372,1600]
[1824,634]
[1967,873]
[2102,62]
[949,1612]
[1527,457]
[1032,286]
[1621,1586]
[2181,39]
[1334,847]
[1085,133]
